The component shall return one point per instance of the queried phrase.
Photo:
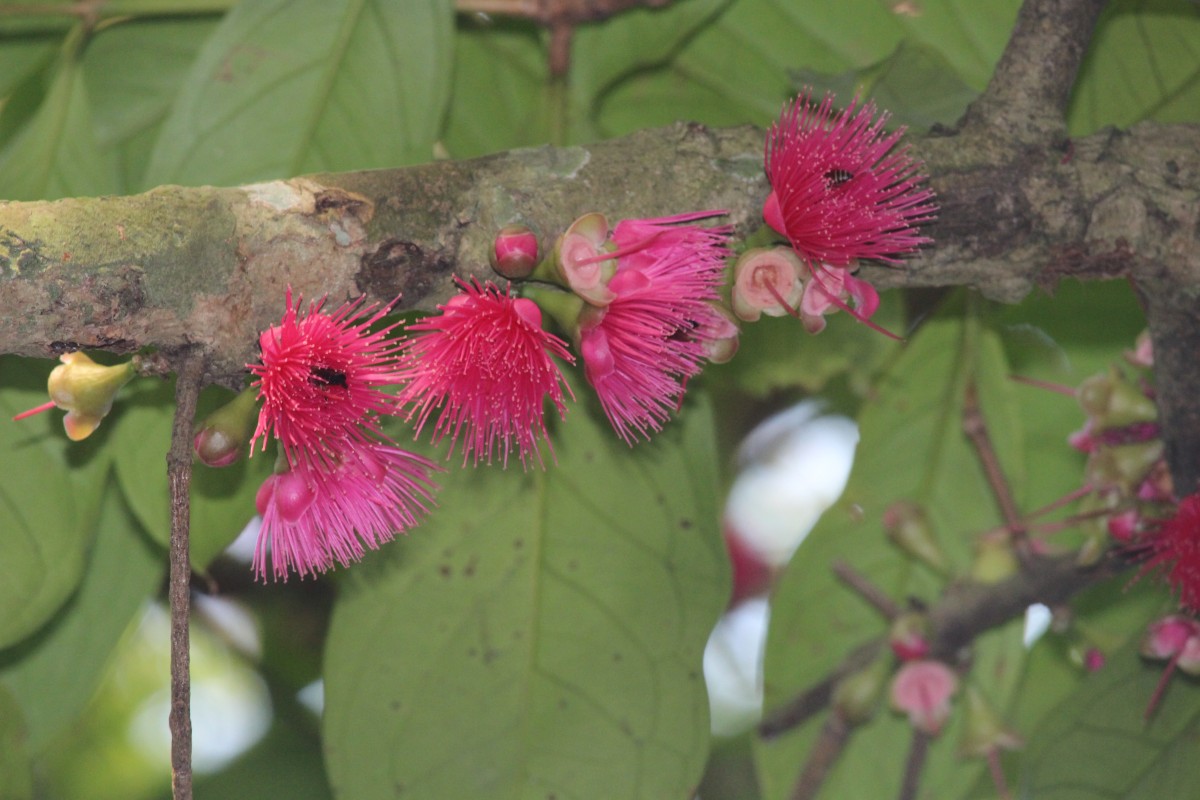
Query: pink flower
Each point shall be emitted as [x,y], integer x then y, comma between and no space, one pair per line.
[318,513]
[320,376]
[1175,552]
[487,362]
[837,191]
[840,194]
[767,281]
[641,348]
[923,689]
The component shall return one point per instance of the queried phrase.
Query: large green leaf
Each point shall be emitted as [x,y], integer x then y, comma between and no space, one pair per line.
[49,491]
[499,95]
[133,72]
[222,500]
[1097,744]
[743,66]
[541,634]
[21,58]
[16,777]
[55,673]
[287,87]
[1143,63]
[912,448]
[55,154]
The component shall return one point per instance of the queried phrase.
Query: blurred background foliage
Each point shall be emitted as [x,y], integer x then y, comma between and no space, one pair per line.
[541,635]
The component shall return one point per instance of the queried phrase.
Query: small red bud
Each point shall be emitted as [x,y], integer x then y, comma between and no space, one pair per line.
[515,252]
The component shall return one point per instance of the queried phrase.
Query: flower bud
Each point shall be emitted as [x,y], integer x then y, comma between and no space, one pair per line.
[856,696]
[908,526]
[909,636]
[85,390]
[1112,401]
[994,561]
[985,733]
[1166,637]
[515,252]
[721,337]
[923,689]
[223,434]
[1124,466]
[767,281]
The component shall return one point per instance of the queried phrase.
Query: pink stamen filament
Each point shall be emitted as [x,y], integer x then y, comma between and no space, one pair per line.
[780,299]
[1162,687]
[1047,385]
[993,759]
[36,410]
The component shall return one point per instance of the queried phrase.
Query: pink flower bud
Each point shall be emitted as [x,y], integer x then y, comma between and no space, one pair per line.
[515,252]
[923,689]
[224,433]
[1166,637]
[1094,659]
[909,637]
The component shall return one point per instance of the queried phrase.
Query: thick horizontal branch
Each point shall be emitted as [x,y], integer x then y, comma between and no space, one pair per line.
[179,266]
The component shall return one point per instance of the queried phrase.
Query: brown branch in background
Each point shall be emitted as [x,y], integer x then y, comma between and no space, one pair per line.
[179,475]
[866,589]
[1026,99]
[816,698]
[913,765]
[821,758]
[975,428]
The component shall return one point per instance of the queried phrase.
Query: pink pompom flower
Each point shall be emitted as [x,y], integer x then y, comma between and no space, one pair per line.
[488,364]
[841,191]
[318,513]
[321,375]
[661,323]
[1174,552]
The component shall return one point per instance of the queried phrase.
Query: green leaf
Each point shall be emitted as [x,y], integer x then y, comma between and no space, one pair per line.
[541,634]
[222,500]
[499,95]
[288,87]
[55,155]
[1097,744]
[1142,63]
[912,448]
[133,72]
[777,353]
[22,58]
[55,673]
[49,491]
[16,777]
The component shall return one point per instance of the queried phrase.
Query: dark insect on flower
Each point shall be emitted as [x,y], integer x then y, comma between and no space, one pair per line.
[837,177]
[327,376]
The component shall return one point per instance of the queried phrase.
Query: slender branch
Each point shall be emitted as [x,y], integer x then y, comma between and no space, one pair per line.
[975,427]
[816,698]
[1027,96]
[866,589]
[179,474]
[821,758]
[914,765]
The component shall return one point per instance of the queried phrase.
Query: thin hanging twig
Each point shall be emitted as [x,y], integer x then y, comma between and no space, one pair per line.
[179,477]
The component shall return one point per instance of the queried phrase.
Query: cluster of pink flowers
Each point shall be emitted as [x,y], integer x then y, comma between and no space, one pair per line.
[842,191]
[644,303]
[339,485]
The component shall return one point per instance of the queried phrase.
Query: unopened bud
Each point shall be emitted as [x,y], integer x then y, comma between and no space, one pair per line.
[1113,402]
[994,561]
[909,528]
[1124,466]
[515,252]
[985,733]
[909,636]
[721,336]
[85,390]
[1166,637]
[224,433]
[856,696]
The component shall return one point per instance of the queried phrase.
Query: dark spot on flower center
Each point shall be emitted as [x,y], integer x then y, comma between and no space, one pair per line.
[326,376]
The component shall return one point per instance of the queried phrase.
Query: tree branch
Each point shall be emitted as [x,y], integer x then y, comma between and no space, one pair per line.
[179,473]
